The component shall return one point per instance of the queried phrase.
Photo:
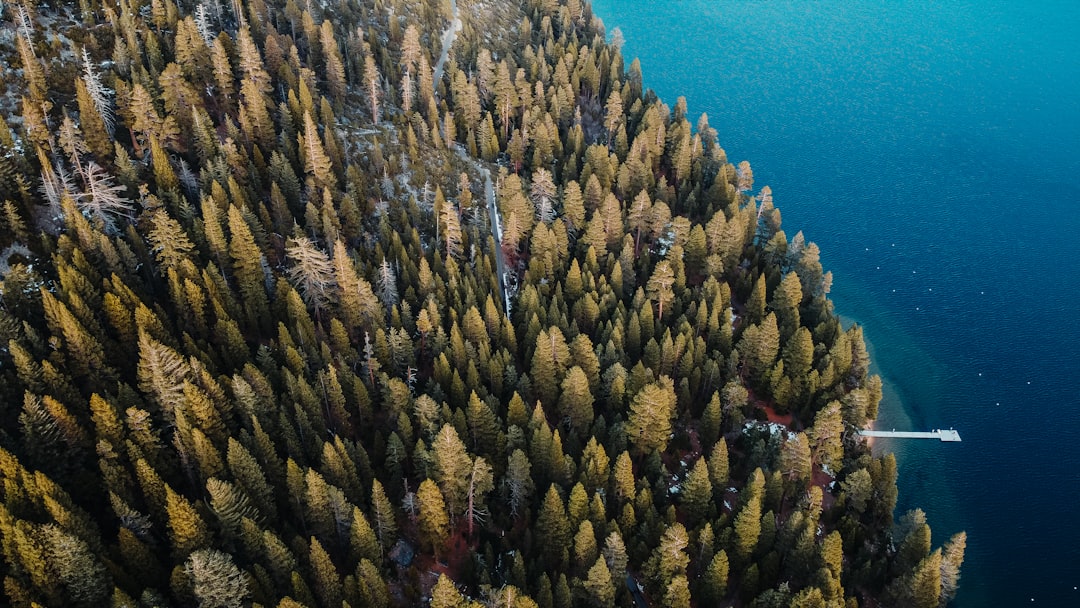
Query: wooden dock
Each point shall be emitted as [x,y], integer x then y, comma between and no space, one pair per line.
[941,434]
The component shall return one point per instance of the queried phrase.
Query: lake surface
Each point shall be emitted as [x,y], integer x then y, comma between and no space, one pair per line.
[932,150]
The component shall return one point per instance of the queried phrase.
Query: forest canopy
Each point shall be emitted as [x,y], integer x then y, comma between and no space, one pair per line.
[344,303]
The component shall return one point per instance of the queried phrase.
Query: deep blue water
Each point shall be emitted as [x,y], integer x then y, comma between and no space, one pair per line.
[932,150]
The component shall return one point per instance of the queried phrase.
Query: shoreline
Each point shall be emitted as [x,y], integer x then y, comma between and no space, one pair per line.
[892,405]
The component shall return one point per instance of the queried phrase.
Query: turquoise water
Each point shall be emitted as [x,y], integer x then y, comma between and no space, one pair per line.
[932,150]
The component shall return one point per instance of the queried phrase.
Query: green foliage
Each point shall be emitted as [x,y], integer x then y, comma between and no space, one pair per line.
[651,412]
[553,527]
[433,518]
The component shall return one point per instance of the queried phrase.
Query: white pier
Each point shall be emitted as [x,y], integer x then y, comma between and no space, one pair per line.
[941,434]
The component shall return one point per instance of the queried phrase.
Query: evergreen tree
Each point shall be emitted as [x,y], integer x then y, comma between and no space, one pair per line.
[697,492]
[383,515]
[247,264]
[715,581]
[599,585]
[678,593]
[326,578]
[623,477]
[362,539]
[78,571]
[433,518]
[187,530]
[445,594]
[660,286]
[215,579]
[748,521]
[651,413]
[826,437]
[576,401]
[451,464]
[550,361]
[552,527]
[317,163]
[311,273]
[668,560]
[952,556]
[481,482]
[518,483]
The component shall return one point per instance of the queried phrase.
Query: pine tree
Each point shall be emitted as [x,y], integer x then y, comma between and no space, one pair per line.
[317,163]
[623,477]
[826,437]
[451,464]
[798,354]
[484,432]
[795,461]
[660,286]
[651,413]
[748,521]
[599,585]
[451,230]
[716,578]
[832,558]
[434,521]
[697,493]
[408,91]
[759,346]
[613,114]
[711,419]
[247,264]
[335,67]
[254,115]
[574,207]
[372,85]
[952,557]
[668,559]
[171,245]
[311,273]
[383,515]
[595,469]
[506,98]
[517,483]
[362,540]
[614,554]
[542,192]
[678,593]
[576,401]
[481,482]
[33,72]
[327,580]
[230,505]
[250,477]
[585,550]
[786,301]
[101,200]
[373,590]
[215,579]
[553,527]
[922,587]
[445,594]
[87,355]
[187,530]
[83,578]
[387,285]
[550,360]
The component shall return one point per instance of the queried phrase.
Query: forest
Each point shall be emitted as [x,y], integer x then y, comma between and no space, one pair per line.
[256,348]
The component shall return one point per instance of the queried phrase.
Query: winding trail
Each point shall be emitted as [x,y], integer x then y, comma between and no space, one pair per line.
[448,38]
